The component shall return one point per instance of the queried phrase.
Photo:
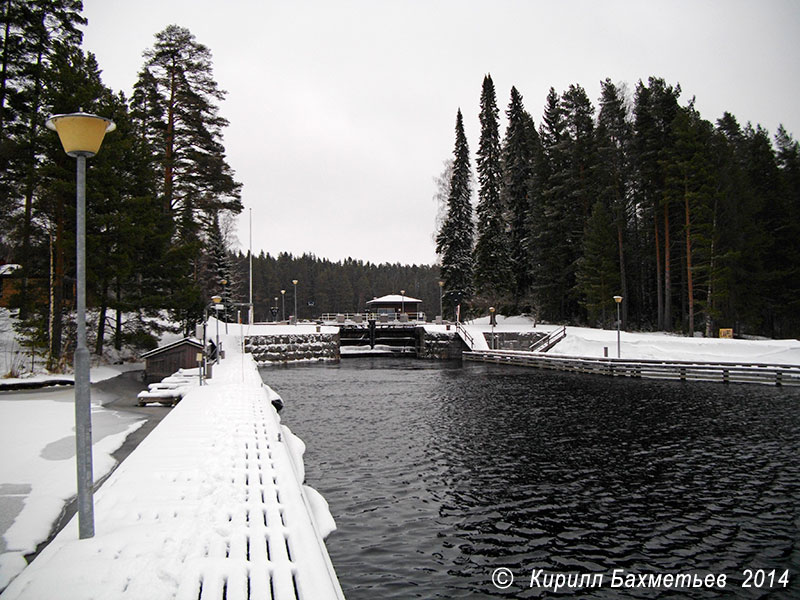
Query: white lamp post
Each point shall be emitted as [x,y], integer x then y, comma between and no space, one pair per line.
[618,300]
[402,302]
[294,283]
[283,305]
[81,136]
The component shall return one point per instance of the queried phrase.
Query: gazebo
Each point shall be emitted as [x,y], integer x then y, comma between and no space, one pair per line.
[394,305]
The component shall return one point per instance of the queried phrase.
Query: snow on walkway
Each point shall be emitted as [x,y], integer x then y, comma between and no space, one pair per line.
[210,505]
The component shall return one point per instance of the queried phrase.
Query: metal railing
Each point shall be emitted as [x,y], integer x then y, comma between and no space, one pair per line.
[465,335]
[551,339]
[724,372]
[357,318]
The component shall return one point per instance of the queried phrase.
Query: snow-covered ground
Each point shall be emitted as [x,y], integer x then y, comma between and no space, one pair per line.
[210,504]
[583,341]
[37,470]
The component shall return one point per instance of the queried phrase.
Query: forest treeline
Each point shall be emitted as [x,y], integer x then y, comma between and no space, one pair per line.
[324,286]
[695,224]
[159,192]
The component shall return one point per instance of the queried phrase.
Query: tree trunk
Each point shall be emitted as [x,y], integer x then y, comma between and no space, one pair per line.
[169,148]
[710,293]
[660,291]
[690,290]
[101,319]
[30,183]
[667,273]
[623,279]
[57,269]
[118,321]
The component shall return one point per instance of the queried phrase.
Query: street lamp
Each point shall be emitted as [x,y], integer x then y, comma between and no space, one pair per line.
[492,321]
[217,307]
[402,302]
[618,300]
[283,305]
[294,283]
[81,136]
[441,292]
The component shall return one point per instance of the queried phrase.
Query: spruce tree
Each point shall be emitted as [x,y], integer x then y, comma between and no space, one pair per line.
[597,273]
[455,239]
[493,274]
[518,155]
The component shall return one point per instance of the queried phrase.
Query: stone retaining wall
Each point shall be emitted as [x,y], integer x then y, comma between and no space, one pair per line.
[271,349]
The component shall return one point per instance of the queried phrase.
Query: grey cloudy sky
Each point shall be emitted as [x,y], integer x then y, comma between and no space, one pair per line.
[342,112]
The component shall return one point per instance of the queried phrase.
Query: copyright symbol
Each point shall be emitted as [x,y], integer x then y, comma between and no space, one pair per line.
[502,578]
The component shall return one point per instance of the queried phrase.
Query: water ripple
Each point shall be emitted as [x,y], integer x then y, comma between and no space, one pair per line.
[437,475]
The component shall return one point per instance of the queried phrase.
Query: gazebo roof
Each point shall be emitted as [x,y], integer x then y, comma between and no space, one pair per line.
[393,299]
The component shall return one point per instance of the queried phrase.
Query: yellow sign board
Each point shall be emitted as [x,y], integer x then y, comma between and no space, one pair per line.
[726,333]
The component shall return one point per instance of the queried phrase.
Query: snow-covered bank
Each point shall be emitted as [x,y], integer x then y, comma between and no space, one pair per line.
[212,499]
[37,470]
[587,342]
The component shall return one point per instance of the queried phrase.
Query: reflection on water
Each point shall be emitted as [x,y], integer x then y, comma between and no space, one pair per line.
[438,474]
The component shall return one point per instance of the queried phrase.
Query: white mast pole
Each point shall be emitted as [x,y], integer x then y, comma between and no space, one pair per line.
[250,313]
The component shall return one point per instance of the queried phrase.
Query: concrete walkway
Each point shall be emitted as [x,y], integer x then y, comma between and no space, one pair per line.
[210,505]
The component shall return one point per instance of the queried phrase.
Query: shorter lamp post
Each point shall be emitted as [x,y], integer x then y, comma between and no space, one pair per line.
[217,307]
[294,283]
[618,300]
[81,135]
[402,302]
[283,305]
[492,321]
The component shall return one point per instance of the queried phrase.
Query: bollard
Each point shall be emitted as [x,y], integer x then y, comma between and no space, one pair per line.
[605,351]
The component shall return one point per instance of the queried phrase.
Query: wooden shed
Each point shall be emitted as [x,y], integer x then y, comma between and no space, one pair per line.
[166,360]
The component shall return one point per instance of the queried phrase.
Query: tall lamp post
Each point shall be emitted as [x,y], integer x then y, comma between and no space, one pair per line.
[217,307]
[618,300]
[441,302]
[402,302]
[492,322]
[283,305]
[294,283]
[81,135]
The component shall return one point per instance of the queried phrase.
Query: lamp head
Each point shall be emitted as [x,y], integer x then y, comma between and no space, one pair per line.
[81,134]
[617,299]
[216,299]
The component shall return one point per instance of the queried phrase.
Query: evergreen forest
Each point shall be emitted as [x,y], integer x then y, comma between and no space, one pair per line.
[696,225]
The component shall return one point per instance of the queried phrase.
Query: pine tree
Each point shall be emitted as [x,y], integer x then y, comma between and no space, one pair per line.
[455,240]
[32,33]
[613,135]
[176,99]
[493,274]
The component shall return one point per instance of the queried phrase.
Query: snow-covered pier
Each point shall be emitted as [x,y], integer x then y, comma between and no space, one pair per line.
[211,505]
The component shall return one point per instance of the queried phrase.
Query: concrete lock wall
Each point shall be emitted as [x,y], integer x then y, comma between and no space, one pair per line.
[283,348]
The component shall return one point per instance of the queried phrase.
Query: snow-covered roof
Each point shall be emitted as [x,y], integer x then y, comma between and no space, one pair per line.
[188,340]
[393,298]
[8,269]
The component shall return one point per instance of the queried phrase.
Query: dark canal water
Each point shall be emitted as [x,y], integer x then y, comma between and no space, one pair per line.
[438,475]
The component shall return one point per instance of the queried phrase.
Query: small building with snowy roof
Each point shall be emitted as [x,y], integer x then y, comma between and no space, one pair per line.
[394,305]
[166,360]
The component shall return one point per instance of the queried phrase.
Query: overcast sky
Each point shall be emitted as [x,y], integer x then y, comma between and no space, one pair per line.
[342,113]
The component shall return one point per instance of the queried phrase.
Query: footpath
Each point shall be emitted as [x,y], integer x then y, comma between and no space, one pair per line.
[210,505]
